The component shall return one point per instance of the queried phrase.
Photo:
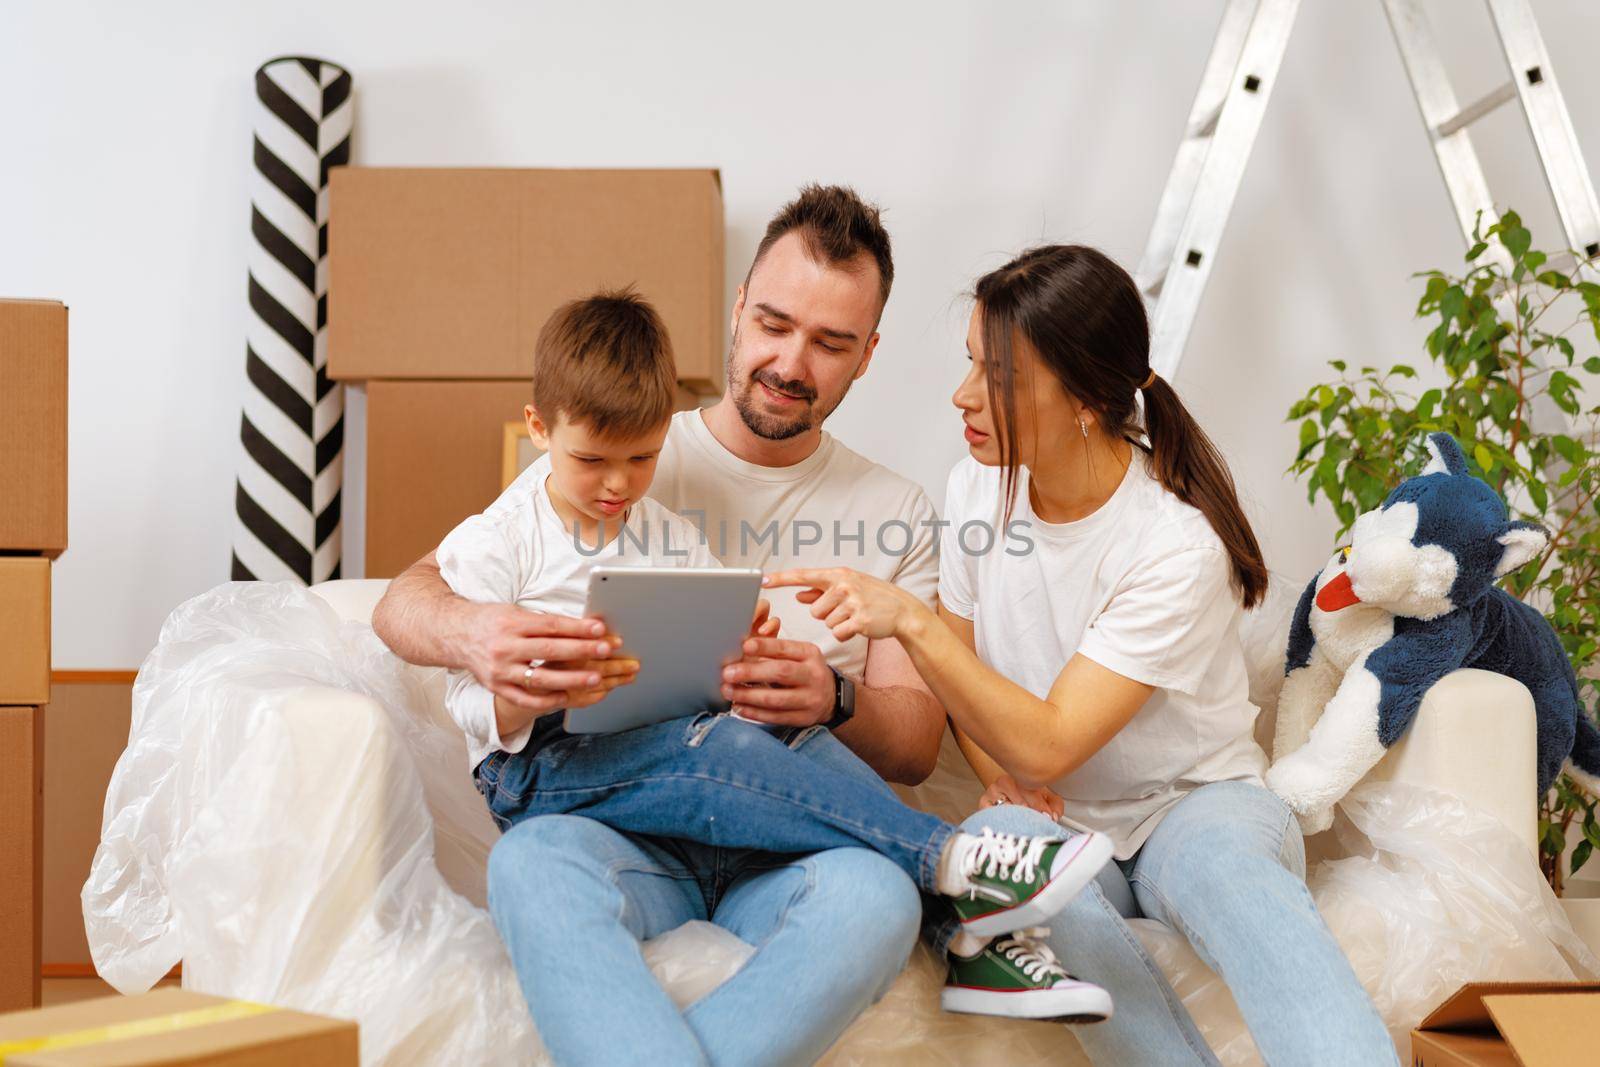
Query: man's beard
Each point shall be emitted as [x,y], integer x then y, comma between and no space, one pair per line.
[764,424]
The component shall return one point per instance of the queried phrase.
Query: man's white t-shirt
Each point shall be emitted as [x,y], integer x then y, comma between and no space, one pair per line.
[1142,587]
[833,508]
[519,552]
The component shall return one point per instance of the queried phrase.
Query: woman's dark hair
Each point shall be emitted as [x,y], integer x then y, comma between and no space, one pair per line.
[1082,315]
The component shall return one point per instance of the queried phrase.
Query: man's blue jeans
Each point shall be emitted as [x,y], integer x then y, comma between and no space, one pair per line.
[1226,868]
[572,897]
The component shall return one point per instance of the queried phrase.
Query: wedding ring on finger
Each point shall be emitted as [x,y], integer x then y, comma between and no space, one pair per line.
[527,677]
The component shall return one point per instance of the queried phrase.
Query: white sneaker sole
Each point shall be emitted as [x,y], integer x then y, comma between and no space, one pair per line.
[1080,867]
[1070,1002]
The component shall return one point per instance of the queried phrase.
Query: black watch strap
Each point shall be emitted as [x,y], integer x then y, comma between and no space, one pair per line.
[844,700]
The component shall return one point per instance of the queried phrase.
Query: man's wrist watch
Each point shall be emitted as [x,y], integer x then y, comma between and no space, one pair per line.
[844,700]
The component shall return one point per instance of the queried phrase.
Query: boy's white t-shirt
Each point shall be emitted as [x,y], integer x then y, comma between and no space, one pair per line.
[519,552]
[1142,587]
[808,514]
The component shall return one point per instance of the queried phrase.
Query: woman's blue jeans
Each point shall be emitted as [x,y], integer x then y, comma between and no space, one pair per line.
[1226,868]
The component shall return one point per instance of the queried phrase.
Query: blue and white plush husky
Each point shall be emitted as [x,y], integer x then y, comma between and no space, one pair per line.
[1412,599]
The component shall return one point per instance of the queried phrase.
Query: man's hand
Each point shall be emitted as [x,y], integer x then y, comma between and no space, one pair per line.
[1005,790]
[786,683]
[502,640]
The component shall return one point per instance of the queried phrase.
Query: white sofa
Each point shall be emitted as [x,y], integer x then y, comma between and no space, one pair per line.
[1474,737]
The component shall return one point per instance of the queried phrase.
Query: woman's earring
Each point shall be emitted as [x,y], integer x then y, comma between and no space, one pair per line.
[1084,428]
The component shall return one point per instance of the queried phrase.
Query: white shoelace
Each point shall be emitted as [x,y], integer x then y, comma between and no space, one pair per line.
[1009,857]
[1031,955]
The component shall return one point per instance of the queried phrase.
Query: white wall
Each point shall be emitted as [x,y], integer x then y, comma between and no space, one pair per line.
[124,153]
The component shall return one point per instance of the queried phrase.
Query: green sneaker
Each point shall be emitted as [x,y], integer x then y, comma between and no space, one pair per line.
[1018,977]
[1014,882]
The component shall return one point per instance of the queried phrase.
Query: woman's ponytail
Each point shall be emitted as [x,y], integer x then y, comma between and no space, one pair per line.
[1188,465]
[1085,320]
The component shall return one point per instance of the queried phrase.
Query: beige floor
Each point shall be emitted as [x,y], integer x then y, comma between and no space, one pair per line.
[68,990]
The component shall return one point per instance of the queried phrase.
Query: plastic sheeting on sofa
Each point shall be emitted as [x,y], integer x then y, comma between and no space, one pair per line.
[293,820]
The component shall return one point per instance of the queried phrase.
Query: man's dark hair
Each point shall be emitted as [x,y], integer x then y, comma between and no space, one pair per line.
[837,226]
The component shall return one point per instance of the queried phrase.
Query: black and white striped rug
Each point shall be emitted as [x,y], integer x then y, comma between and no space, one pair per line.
[292,429]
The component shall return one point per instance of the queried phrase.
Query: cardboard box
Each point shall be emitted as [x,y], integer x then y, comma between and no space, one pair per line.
[24,630]
[1503,1024]
[173,1026]
[21,849]
[85,731]
[449,274]
[435,454]
[33,426]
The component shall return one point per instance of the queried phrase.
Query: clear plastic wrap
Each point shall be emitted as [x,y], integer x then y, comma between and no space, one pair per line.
[272,824]
[293,820]
[1433,893]
[694,959]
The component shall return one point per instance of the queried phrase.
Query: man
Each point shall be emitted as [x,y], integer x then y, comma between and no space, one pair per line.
[770,487]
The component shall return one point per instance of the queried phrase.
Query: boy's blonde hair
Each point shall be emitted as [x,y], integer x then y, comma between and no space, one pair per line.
[605,361]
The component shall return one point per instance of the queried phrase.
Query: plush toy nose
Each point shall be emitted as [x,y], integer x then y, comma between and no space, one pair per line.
[1337,594]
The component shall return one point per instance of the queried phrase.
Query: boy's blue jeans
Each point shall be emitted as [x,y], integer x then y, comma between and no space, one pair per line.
[720,781]
[778,861]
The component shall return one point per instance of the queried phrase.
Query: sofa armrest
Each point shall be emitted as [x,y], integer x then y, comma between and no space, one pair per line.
[352,599]
[1474,737]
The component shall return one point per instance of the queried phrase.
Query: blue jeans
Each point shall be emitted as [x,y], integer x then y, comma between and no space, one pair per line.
[719,781]
[572,898]
[1226,868]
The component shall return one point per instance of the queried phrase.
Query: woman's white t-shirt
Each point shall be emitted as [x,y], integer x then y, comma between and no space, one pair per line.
[1142,587]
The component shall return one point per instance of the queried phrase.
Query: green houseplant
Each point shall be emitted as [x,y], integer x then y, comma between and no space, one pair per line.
[1503,352]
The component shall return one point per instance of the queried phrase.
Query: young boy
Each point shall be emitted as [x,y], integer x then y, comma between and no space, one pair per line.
[603,390]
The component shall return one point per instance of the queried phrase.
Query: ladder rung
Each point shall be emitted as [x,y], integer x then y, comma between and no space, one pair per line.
[1476,110]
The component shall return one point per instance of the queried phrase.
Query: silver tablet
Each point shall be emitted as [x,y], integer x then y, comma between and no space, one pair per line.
[682,624]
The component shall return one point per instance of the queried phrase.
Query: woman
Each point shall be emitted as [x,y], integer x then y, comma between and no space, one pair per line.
[1092,580]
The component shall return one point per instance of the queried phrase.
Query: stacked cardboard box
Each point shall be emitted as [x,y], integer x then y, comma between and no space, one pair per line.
[85,731]
[33,531]
[170,1027]
[1510,1024]
[439,281]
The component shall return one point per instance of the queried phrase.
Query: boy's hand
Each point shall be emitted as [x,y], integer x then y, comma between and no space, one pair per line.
[612,673]
[765,624]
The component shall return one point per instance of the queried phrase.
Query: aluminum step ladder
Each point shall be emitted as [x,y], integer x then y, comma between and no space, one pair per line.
[1228,107]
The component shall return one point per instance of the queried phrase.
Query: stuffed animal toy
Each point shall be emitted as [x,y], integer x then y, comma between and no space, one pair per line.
[1410,600]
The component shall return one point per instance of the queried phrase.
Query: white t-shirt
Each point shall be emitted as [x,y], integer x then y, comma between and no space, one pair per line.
[519,552]
[1142,587]
[833,508]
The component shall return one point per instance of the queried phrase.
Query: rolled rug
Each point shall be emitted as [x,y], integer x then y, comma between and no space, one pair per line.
[291,470]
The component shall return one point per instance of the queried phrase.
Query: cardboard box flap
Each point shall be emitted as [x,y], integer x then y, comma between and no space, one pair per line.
[1465,1010]
[100,1011]
[1547,1029]
[174,1026]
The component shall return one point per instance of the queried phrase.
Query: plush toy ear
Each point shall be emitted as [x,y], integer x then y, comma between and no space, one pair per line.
[1445,455]
[1523,541]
